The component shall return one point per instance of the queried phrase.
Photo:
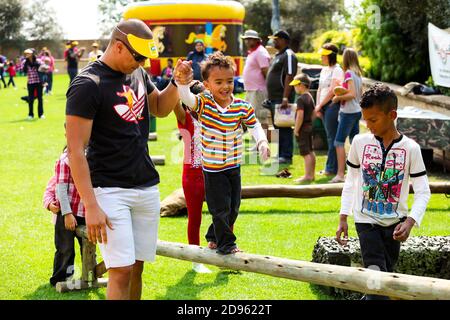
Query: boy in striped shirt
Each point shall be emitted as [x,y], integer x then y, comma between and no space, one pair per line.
[221,116]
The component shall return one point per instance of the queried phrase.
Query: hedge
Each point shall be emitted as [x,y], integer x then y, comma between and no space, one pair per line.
[315,58]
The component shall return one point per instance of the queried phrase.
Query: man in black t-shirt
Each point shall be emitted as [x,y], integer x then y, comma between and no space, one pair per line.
[72,56]
[107,114]
[282,70]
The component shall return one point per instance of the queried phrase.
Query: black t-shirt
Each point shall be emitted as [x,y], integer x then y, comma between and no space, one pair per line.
[72,59]
[306,103]
[117,152]
[284,63]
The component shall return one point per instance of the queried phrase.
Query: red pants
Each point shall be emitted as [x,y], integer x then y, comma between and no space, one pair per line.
[194,193]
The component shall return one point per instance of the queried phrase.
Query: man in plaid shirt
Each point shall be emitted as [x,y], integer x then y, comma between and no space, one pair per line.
[70,215]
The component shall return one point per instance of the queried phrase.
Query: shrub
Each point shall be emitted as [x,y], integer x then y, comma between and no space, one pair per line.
[314,58]
[398,46]
[342,39]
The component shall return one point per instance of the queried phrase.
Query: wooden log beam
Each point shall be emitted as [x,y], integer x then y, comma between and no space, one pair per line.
[100,269]
[74,285]
[288,191]
[315,190]
[357,279]
[152,136]
[90,269]
[158,160]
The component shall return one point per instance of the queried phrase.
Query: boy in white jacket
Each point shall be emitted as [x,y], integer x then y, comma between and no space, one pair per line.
[380,166]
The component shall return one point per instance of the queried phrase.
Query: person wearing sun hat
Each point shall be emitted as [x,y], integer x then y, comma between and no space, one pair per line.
[108,115]
[303,125]
[254,75]
[95,53]
[281,72]
[331,76]
[72,55]
[30,67]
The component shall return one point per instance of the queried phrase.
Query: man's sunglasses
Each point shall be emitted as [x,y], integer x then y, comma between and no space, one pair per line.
[138,57]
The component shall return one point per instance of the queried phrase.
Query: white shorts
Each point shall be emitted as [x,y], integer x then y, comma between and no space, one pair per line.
[256,98]
[134,215]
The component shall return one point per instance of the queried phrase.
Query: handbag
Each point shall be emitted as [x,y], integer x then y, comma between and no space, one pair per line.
[285,117]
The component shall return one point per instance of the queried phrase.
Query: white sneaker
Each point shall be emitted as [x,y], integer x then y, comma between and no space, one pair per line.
[29,118]
[42,117]
[200,268]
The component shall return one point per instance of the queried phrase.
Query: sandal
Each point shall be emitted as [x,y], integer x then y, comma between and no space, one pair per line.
[303,180]
[325,173]
[337,179]
[284,174]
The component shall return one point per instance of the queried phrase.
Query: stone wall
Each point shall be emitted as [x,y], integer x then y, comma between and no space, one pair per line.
[420,256]
[437,103]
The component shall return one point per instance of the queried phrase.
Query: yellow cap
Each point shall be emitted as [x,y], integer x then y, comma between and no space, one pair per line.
[324,52]
[295,82]
[145,47]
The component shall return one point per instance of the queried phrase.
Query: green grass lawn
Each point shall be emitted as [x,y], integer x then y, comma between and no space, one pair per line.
[285,228]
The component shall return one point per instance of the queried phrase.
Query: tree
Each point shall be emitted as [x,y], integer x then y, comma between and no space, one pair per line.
[397,44]
[301,18]
[254,11]
[11,20]
[304,18]
[275,22]
[111,13]
[42,24]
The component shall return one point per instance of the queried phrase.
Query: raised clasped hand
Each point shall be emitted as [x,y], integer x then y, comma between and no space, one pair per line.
[183,73]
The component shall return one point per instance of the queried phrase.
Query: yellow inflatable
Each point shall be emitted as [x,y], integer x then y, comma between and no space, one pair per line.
[177,24]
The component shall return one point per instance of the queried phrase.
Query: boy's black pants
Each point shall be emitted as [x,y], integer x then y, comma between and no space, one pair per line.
[11,81]
[63,263]
[379,250]
[223,196]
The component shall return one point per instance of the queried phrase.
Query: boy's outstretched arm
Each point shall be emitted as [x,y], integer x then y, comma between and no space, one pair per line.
[342,229]
[260,137]
[161,104]
[353,170]
[346,204]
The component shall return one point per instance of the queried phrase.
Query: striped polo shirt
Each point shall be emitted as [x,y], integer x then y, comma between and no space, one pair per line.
[221,131]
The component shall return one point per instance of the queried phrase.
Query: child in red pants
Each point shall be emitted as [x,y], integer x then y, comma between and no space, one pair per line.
[192,181]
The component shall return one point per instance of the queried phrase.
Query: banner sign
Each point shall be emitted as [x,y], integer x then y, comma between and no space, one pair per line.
[439,48]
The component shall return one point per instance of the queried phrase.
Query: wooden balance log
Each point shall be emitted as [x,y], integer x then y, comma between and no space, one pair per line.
[91,272]
[175,203]
[350,278]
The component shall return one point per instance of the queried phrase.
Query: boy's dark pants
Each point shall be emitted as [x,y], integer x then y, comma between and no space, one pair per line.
[223,196]
[63,263]
[378,249]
